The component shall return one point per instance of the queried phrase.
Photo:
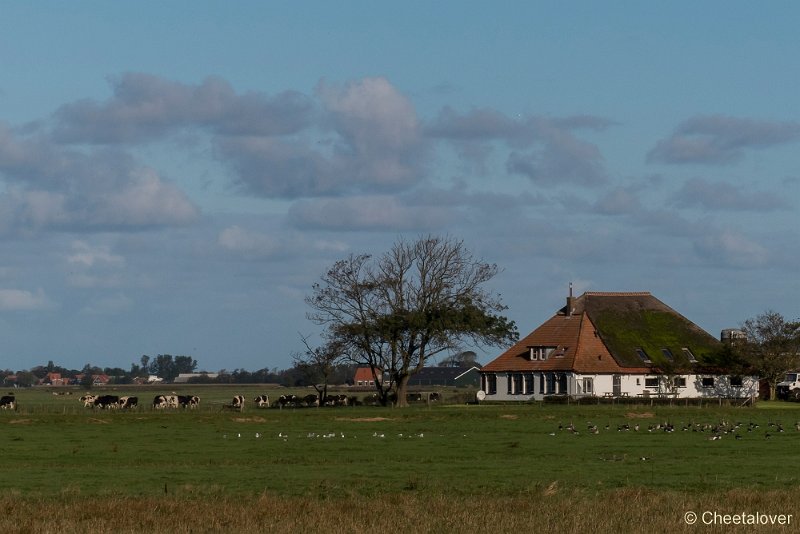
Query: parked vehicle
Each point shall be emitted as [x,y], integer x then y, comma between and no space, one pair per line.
[790,387]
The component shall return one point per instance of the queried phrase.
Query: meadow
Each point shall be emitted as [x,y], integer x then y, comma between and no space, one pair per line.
[446,467]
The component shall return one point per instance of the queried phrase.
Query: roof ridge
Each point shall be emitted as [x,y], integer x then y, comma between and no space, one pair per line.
[618,293]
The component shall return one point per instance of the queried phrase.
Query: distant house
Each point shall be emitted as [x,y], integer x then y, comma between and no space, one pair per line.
[184,378]
[55,379]
[97,380]
[446,376]
[614,345]
[364,377]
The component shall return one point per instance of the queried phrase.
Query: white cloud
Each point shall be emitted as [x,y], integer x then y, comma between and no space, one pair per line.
[720,139]
[724,196]
[88,256]
[22,300]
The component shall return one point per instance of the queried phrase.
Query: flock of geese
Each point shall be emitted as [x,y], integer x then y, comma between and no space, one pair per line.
[712,431]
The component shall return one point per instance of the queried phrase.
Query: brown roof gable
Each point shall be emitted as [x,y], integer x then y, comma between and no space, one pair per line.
[599,332]
[577,348]
[364,374]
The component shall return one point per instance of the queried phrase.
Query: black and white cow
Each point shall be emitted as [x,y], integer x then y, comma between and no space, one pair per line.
[336,400]
[188,401]
[289,400]
[262,401]
[238,402]
[125,403]
[311,400]
[88,400]
[161,402]
[8,402]
[106,401]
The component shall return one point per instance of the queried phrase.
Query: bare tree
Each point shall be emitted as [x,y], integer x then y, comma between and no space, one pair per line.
[771,347]
[393,313]
[318,364]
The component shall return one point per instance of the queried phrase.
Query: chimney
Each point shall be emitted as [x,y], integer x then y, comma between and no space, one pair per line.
[569,301]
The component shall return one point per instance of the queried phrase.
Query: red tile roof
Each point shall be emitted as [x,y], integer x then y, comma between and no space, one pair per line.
[364,374]
[581,345]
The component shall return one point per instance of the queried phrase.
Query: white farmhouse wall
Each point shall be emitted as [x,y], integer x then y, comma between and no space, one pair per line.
[573,384]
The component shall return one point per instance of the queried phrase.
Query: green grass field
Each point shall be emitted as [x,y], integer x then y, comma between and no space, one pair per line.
[56,451]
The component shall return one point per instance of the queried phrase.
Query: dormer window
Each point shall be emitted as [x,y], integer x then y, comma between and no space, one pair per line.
[689,355]
[643,355]
[540,353]
[667,354]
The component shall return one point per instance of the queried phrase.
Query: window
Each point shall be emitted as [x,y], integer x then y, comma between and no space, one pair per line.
[667,354]
[528,384]
[588,386]
[517,379]
[707,381]
[643,355]
[551,384]
[540,353]
[491,383]
[689,355]
[679,381]
[736,381]
[651,382]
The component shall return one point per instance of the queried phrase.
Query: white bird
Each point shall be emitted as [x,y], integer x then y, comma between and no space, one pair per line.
[239,435]
[258,435]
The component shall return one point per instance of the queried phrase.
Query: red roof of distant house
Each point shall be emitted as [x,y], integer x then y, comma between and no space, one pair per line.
[365,375]
[585,336]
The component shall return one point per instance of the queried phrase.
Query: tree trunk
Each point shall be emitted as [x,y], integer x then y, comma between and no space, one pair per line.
[402,387]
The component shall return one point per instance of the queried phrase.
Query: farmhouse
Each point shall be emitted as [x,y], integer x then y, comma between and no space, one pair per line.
[365,376]
[614,345]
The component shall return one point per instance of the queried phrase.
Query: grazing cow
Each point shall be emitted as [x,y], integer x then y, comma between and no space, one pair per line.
[262,401]
[127,402]
[238,402]
[336,400]
[188,401]
[289,400]
[107,401]
[8,402]
[88,400]
[311,400]
[161,402]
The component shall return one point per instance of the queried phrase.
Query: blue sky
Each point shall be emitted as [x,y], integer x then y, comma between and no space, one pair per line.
[174,176]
